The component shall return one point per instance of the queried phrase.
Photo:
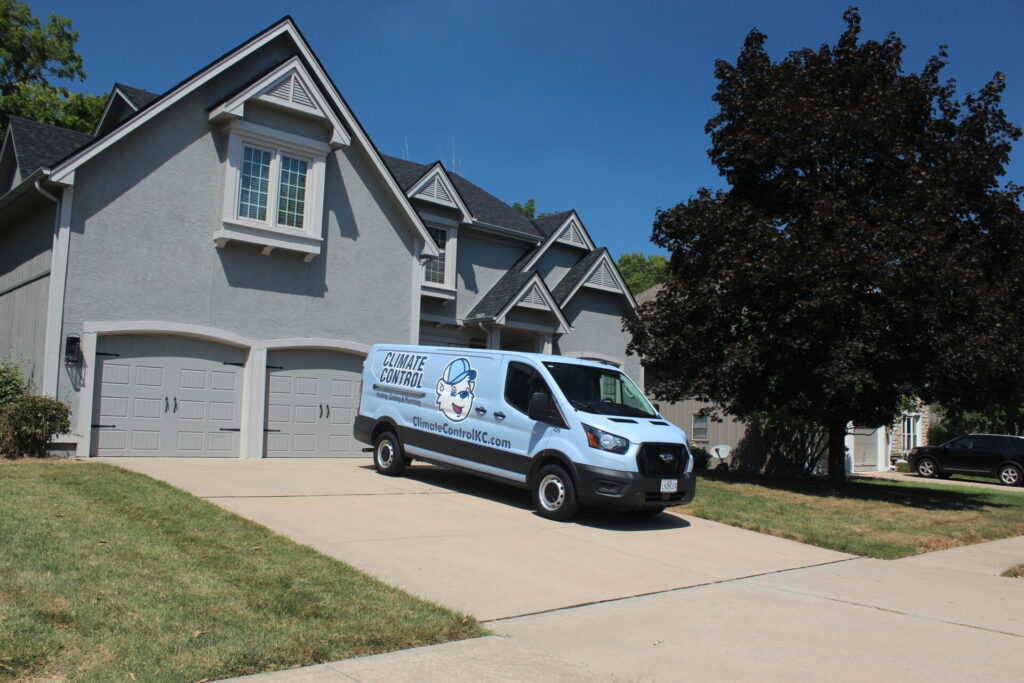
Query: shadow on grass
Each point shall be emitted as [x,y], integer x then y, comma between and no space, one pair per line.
[517,497]
[916,495]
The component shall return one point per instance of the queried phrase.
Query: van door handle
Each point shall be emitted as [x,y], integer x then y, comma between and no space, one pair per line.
[481,411]
[499,416]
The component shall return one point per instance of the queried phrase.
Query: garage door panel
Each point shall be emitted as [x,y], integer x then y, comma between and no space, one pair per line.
[146,376]
[165,395]
[147,408]
[311,403]
[145,440]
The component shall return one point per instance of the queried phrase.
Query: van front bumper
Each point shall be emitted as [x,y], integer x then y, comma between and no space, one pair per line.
[615,488]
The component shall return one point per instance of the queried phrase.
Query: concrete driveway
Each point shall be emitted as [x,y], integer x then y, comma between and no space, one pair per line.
[622,597]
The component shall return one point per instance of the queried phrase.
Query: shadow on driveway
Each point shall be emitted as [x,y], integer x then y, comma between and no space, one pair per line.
[515,497]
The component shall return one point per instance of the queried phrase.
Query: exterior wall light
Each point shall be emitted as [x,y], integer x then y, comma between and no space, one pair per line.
[73,350]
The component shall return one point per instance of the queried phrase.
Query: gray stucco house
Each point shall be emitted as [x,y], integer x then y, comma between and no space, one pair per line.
[204,275]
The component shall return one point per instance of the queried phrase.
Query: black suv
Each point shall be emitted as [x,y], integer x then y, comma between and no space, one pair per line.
[986,455]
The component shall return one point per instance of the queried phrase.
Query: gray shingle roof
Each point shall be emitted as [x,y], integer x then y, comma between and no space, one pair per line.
[575,274]
[548,224]
[137,96]
[500,295]
[38,145]
[483,205]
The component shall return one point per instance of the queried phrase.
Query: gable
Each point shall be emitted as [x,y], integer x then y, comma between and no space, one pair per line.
[534,298]
[572,233]
[436,187]
[289,86]
[602,278]
[329,101]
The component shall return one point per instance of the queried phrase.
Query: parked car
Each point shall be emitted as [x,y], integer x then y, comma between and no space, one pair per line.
[985,455]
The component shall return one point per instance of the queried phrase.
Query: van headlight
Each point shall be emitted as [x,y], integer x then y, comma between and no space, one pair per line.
[603,441]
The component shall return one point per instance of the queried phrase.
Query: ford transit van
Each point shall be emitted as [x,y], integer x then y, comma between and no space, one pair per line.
[572,431]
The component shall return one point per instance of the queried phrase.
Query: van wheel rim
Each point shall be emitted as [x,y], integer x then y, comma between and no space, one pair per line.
[552,492]
[385,454]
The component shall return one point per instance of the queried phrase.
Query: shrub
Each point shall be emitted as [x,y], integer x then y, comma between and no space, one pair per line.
[701,457]
[12,384]
[27,424]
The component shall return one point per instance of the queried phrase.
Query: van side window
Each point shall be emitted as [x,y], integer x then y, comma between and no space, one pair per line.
[521,382]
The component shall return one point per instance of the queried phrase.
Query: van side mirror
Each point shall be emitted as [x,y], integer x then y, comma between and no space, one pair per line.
[540,407]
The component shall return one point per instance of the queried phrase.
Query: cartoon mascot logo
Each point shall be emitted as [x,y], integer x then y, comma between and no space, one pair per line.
[455,390]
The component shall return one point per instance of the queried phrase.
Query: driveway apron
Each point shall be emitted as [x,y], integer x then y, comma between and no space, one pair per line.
[621,596]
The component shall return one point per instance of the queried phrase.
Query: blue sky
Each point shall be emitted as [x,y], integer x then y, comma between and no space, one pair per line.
[597,106]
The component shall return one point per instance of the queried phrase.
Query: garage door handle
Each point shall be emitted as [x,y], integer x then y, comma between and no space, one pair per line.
[167,403]
[321,410]
[175,404]
[328,411]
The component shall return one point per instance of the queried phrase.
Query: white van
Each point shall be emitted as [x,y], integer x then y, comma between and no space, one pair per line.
[572,431]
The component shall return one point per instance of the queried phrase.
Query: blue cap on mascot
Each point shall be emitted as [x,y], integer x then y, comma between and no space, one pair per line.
[458,370]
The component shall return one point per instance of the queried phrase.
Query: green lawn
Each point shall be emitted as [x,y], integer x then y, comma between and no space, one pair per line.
[878,518]
[108,575]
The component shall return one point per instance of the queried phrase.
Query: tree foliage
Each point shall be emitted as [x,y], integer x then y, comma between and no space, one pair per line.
[31,54]
[864,251]
[642,272]
[529,209]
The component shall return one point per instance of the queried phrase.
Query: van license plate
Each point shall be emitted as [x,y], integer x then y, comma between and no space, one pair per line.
[669,485]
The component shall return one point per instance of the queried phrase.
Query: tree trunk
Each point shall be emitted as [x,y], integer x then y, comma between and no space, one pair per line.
[837,452]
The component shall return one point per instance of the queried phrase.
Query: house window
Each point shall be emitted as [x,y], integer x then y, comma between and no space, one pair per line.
[440,271]
[911,438]
[700,428]
[274,189]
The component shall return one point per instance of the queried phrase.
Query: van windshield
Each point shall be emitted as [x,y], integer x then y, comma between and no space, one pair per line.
[600,390]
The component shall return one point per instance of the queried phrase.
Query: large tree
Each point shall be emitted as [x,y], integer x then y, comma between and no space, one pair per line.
[33,53]
[864,251]
[642,272]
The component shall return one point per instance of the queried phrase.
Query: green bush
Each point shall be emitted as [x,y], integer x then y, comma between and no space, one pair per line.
[701,457]
[12,384]
[28,422]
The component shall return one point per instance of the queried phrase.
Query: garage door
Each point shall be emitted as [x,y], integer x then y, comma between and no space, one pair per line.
[311,401]
[164,396]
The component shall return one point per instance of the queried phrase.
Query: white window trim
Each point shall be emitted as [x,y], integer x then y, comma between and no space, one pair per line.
[269,234]
[450,251]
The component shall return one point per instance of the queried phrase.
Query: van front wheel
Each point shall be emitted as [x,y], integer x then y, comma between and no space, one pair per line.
[387,455]
[554,495]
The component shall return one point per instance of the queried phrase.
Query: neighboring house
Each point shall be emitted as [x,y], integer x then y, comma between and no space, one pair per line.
[205,274]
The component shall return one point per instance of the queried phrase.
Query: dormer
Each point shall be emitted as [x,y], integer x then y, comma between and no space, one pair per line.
[274,179]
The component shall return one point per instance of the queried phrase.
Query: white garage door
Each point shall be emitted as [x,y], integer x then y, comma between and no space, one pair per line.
[311,401]
[160,395]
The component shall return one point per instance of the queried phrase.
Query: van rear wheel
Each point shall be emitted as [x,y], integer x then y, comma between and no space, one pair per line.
[387,455]
[554,495]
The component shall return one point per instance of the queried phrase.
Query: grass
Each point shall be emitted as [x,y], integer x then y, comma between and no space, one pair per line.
[1015,572]
[877,518]
[108,575]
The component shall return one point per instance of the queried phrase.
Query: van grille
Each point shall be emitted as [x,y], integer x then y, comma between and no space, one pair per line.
[650,463]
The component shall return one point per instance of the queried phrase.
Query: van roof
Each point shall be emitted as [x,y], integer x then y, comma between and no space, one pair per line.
[455,350]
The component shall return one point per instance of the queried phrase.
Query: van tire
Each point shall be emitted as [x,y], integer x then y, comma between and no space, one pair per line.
[387,455]
[554,494]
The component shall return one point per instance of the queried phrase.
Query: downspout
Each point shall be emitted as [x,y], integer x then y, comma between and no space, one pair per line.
[51,345]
